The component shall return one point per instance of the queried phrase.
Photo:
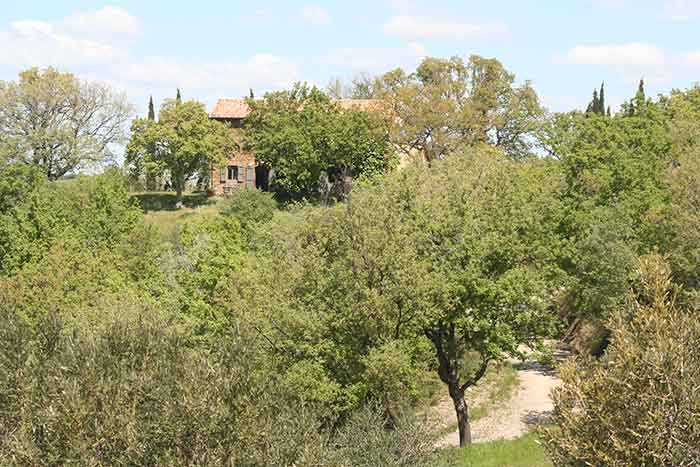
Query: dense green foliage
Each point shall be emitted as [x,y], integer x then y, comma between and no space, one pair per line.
[251,208]
[638,405]
[315,148]
[246,332]
[430,263]
[184,141]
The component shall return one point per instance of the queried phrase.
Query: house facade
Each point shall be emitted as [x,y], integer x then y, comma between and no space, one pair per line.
[242,170]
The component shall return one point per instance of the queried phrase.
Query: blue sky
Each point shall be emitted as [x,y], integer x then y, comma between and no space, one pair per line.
[220,48]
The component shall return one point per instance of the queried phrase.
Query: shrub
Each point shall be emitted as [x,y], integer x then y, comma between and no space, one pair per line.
[127,390]
[366,442]
[95,212]
[639,404]
[250,207]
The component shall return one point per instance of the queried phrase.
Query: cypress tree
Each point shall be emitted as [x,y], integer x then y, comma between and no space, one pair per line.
[601,100]
[178,98]
[252,96]
[609,113]
[595,103]
[151,110]
[640,90]
[640,99]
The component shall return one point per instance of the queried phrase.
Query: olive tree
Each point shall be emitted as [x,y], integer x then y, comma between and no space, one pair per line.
[60,123]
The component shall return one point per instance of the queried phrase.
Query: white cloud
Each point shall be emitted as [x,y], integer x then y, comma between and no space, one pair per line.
[107,21]
[632,54]
[260,70]
[413,27]
[37,43]
[74,44]
[315,14]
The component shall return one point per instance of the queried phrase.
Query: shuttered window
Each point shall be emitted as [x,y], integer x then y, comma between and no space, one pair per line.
[222,174]
[240,174]
[250,175]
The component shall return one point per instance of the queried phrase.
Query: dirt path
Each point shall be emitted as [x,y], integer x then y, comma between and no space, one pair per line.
[529,406]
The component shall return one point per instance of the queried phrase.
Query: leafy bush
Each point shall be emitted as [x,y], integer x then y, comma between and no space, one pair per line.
[208,254]
[639,404]
[127,389]
[250,207]
[366,442]
[95,212]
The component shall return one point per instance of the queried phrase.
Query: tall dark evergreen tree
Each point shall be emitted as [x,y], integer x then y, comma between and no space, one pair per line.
[638,102]
[594,104]
[641,97]
[609,114]
[178,98]
[151,110]
[601,100]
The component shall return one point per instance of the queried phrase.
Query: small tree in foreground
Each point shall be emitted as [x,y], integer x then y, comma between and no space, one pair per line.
[639,405]
[414,274]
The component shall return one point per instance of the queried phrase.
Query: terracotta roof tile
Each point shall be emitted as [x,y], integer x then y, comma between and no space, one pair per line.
[230,108]
[238,108]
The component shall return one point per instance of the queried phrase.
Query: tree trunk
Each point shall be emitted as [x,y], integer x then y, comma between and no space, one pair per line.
[444,338]
[179,188]
[462,410]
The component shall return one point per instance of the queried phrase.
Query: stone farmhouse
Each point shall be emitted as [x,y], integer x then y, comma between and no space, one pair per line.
[242,170]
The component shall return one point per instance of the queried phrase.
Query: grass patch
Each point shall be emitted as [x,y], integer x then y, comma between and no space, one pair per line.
[160,212]
[166,200]
[521,452]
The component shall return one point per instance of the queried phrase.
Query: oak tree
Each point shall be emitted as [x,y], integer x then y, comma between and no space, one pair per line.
[60,123]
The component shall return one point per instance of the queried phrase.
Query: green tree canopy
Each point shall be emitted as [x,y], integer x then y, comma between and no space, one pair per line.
[183,141]
[60,123]
[313,147]
[452,258]
[447,104]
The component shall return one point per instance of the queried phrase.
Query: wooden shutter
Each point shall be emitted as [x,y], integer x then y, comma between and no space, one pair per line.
[222,174]
[250,175]
[241,174]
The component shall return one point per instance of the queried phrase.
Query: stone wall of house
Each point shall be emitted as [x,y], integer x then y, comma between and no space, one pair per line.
[237,173]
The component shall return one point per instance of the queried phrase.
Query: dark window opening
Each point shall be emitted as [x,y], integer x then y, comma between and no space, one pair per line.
[262,177]
[232,172]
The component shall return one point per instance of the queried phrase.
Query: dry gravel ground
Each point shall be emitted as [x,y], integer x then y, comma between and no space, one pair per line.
[529,406]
